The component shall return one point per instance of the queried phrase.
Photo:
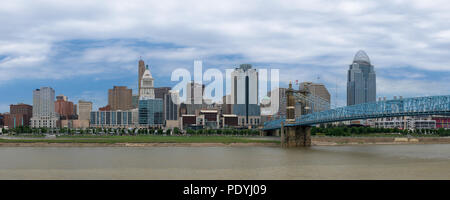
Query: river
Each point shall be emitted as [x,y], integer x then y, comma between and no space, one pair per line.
[418,161]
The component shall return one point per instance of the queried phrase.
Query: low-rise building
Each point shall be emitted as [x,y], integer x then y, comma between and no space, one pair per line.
[2,122]
[208,119]
[188,121]
[77,124]
[19,115]
[114,119]
[405,123]
[442,122]
[253,121]
[229,121]
[151,113]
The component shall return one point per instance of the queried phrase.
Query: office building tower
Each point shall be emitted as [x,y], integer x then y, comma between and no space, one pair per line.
[114,119]
[150,109]
[151,112]
[44,114]
[316,89]
[244,94]
[141,70]
[319,94]
[170,108]
[75,110]
[61,97]
[135,100]
[161,92]
[361,82]
[64,108]
[281,101]
[119,98]
[147,86]
[227,107]
[19,115]
[194,93]
[2,120]
[194,99]
[84,108]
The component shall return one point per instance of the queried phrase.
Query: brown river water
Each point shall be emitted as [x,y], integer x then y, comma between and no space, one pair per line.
[415,161]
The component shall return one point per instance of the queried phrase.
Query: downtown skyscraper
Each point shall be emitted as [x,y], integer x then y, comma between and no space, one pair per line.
[361,80]
[244,94]
[150,108]
[44,114]
[141,70]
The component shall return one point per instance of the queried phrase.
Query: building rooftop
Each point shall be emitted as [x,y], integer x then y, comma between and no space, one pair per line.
[208,111]
[229,115]
[361,56]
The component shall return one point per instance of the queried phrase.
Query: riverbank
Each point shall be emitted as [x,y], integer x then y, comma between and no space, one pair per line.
[46,144]
[140,140]
[332,141]
[203,141]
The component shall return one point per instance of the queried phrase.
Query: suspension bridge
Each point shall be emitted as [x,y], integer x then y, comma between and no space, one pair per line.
[297,128]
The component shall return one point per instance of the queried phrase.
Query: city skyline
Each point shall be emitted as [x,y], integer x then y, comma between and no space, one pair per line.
[408,48]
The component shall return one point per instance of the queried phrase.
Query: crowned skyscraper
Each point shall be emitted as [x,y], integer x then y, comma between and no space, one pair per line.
[150,108]
[361,82]
[147,90]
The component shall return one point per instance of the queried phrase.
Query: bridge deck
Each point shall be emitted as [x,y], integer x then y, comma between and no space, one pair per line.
[419,106]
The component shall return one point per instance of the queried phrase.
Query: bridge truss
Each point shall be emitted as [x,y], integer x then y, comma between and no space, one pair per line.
[419,106]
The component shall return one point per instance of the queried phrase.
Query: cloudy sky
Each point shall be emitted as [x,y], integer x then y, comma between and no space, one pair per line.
[82,48]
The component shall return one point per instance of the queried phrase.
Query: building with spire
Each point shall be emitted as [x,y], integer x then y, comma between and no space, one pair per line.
[150,108]
[147,90]
[361,80]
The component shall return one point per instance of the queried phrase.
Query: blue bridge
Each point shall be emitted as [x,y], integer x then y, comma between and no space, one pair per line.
[433,105]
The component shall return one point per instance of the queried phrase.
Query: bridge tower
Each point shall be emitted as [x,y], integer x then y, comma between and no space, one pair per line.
[291,135]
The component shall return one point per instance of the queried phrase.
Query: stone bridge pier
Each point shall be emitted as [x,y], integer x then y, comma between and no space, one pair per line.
[296,136]
[293,136]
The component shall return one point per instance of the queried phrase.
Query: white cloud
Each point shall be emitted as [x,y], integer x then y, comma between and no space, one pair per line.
[284,34]
[287,31]
[410,88]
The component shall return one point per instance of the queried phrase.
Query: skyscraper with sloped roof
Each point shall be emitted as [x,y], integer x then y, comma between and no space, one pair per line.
[361,80]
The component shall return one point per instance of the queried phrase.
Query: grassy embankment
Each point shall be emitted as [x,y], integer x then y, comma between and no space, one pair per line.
[140,139]
[393,135]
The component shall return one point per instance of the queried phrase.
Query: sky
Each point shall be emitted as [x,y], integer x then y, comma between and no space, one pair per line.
[83,48]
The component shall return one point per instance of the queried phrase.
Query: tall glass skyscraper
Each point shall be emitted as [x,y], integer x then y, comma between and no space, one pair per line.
[151,112]
[361,82]
[244,93]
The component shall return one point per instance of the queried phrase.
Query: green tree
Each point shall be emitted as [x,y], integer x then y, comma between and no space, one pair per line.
[176,131]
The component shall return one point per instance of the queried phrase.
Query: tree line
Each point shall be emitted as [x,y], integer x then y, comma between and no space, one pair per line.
[125,131]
